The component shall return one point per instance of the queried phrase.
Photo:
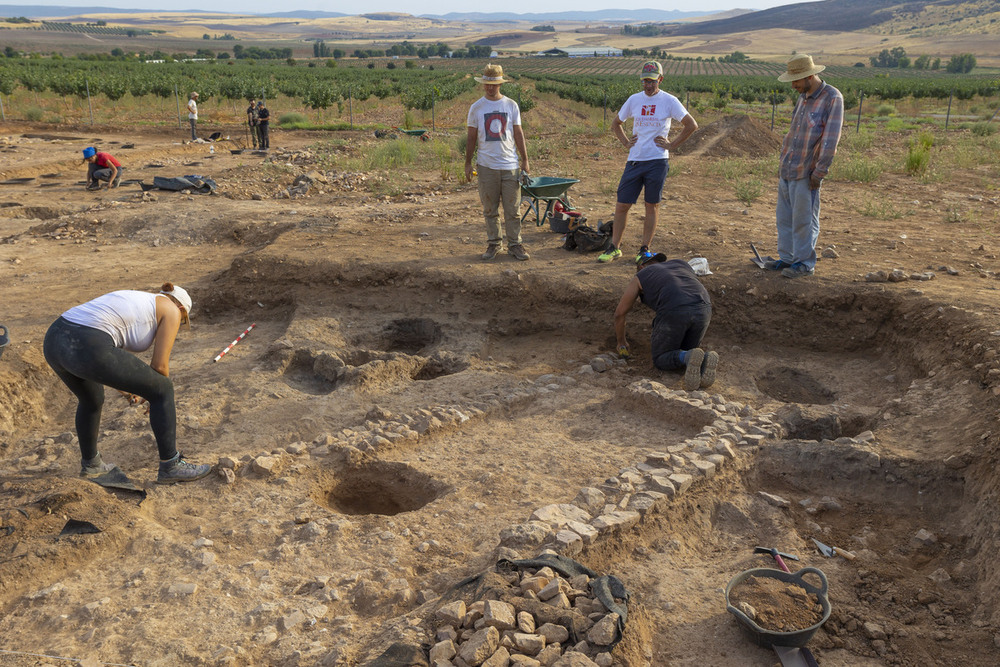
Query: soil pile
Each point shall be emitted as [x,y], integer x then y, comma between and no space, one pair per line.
[732,136]
[777,605]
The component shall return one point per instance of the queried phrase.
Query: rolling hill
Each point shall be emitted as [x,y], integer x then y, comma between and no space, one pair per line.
[881,16]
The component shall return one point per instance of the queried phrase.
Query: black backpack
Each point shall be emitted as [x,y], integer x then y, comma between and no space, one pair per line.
[585,238]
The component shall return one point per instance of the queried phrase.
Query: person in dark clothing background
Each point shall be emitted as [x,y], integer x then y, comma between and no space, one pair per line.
[683,310]
[263,126]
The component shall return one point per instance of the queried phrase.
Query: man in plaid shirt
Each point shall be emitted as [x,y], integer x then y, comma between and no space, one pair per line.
[806,156]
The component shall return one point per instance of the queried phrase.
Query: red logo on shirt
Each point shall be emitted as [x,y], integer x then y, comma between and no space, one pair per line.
[648,109]
[495,124]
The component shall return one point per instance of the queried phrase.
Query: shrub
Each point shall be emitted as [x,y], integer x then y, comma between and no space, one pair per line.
[918,158]
[925,140]
[858,169]
[34,114]
[983,129]
[396,153]
[748,190]
[292,118]
[885,110]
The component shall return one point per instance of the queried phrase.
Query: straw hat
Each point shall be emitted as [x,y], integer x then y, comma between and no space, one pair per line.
[800,67]
[492,74]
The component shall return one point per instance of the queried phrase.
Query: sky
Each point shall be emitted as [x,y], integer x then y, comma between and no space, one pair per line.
[418,8]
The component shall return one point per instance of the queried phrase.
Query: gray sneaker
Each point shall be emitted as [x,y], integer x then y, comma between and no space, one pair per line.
[692,373]
[518,252]
[491,251]
[178,470]
[95,467]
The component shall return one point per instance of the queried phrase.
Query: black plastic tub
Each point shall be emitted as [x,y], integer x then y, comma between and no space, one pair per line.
[769,638]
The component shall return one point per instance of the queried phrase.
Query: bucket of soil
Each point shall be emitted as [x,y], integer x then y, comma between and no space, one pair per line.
[778,608]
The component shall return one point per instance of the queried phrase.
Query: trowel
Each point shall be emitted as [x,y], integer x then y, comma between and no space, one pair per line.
[830,552]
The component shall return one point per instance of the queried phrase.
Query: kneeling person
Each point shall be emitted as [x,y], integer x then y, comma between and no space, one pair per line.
[683,310]
[102,167]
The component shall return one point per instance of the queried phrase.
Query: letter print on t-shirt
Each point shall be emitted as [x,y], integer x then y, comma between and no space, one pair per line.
[496,125]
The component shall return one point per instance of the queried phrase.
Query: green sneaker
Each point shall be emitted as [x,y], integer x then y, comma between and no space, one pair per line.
[610,255]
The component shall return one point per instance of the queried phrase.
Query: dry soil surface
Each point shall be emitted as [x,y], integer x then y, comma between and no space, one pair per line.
[404,413]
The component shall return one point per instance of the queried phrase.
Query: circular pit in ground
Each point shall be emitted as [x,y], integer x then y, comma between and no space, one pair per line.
[385,488]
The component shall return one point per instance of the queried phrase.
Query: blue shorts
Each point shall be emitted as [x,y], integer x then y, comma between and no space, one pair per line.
[646,174]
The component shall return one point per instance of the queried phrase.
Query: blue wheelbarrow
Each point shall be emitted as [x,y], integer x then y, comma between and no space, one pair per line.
[545,189]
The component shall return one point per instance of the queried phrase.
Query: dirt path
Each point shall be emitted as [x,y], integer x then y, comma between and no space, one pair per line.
[402,410]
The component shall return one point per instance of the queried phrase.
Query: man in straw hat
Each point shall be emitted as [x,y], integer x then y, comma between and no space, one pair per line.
[806,156]
[651,111]
[494,134]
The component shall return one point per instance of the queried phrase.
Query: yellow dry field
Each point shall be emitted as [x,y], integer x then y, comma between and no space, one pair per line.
[838,48]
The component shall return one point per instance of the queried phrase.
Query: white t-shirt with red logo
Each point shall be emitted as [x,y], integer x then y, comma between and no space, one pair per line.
[494,121]
[651,118]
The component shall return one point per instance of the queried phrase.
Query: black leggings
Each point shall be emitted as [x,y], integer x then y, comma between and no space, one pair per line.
[86,359]
[679,330]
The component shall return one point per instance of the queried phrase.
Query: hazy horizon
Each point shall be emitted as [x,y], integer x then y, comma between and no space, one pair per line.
[437,7]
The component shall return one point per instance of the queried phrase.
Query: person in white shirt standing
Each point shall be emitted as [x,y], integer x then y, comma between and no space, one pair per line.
[648,153]
[495,136]
[193,114]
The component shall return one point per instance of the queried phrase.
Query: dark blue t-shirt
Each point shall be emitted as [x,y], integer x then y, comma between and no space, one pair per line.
[668,286]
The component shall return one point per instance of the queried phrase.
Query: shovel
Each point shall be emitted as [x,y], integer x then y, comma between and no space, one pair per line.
[830,552]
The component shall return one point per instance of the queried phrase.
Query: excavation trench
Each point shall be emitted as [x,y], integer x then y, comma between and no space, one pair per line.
[429,435]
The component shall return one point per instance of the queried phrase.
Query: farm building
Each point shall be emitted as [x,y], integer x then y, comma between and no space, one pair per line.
[581,51]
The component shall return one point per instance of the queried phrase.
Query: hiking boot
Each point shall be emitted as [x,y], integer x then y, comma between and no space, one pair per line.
[609,255]
[692,373]
[776,264]
[796,270]
[178,470]
[491,251]
[95,467]
[517,251]
[93,185]
[118,181]
[708,367]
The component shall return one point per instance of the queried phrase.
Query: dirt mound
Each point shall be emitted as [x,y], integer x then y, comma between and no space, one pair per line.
[733,136]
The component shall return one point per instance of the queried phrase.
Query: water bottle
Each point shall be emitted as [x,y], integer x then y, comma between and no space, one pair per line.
[211,149]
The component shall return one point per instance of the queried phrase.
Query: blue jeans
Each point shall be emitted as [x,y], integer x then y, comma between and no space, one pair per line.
[86,359]
[797,218]
[679,330]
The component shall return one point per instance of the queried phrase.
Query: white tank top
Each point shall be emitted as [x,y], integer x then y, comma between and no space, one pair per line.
[128,316]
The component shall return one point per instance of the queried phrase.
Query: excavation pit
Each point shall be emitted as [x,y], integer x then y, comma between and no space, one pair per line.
[791,385]
[411,335]
[383,488]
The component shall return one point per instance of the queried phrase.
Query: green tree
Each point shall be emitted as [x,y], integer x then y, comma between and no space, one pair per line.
[962,64]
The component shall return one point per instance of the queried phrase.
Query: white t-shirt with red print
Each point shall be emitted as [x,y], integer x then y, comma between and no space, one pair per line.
[494,122]
[651,118]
